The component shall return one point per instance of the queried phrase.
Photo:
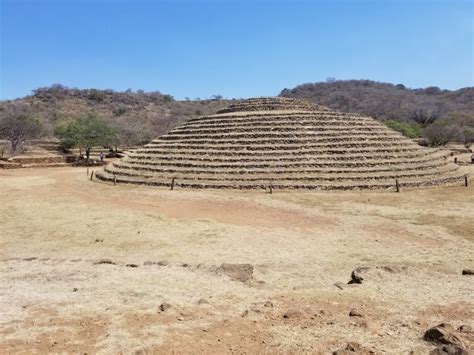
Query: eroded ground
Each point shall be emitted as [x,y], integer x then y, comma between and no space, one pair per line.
[55,297]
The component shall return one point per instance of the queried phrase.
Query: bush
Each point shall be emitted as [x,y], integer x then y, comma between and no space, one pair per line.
[411,130]
[17,124]
[442,132]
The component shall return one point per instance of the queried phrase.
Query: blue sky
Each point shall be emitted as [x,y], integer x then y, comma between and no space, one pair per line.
[233,48]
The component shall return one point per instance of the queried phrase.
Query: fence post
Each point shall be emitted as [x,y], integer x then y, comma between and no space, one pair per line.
[465,180]
[397,185]
[271,187]
[172,183]
[92,174]
[87,171]
[115,179]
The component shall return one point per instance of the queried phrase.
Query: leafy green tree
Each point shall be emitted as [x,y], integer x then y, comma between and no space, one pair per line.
[408,129]
[87,132]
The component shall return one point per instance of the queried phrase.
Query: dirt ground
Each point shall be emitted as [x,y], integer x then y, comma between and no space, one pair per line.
[56,296]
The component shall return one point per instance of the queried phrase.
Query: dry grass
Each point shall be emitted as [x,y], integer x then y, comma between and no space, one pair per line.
[299,243]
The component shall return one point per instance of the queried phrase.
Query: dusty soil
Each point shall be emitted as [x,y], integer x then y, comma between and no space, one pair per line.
[55,225]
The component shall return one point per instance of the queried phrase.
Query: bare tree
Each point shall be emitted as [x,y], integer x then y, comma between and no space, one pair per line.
[17,124]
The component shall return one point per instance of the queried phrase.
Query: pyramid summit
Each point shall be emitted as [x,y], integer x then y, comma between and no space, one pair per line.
[285,143]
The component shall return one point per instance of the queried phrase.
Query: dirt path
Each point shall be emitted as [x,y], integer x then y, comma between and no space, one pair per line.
[166,246]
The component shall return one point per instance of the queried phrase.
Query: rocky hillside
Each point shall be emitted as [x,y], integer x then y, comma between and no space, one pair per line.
[141,116]
[387,101]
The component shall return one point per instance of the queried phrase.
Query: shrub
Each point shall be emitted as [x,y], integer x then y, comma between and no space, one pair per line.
[442,132]
[17,124]
[411,130]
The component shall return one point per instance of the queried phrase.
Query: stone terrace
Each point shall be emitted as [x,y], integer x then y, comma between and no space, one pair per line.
[286,144]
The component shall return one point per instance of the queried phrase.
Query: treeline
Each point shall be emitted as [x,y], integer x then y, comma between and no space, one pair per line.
[438,115]
[138,116]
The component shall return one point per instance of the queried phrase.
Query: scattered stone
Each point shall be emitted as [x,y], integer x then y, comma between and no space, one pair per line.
[468,272]
[202,301]
[104,261]
[339,285]
[444,334]
[354,313]
[149,263]
[353,348]
[165,306]
[165,263]
[268,304]
[30,259]
[131,265]
[237,272]
[293,314]
[98,240]
[449,350]
[465,329]
[245,314]
[75,289]
[361,273]
[357,275]
[75,260]
[183,265]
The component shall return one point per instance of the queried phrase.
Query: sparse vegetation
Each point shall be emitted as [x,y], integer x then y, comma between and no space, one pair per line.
[410,111]
[141,116]
[18,124]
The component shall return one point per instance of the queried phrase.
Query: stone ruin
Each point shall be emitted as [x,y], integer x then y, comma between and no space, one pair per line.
[282,143]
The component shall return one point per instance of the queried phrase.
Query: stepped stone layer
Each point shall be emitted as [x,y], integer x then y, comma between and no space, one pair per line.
[286,144]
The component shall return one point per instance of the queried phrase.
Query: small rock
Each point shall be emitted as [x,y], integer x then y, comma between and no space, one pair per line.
[237,272]
[354,313]
[465,329]
[104,261]
[184,265]
[75,289]
[245,314]
[268,304]
[98,240]
[444,334]
[30,259]
[202,301]
[468,272]
[165,306]
[131,265]
[339,285]
[149,263]
[353,348]
[449,350]
[357,275]
[165,263]
[293,314]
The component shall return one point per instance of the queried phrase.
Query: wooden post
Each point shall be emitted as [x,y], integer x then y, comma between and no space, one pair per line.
[87,171]
[465,181]
[271,187]
[115,179]
[397,185]
[172,183]
[92,174]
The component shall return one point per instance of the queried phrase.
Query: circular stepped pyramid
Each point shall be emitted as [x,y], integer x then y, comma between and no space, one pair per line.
[285,143]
